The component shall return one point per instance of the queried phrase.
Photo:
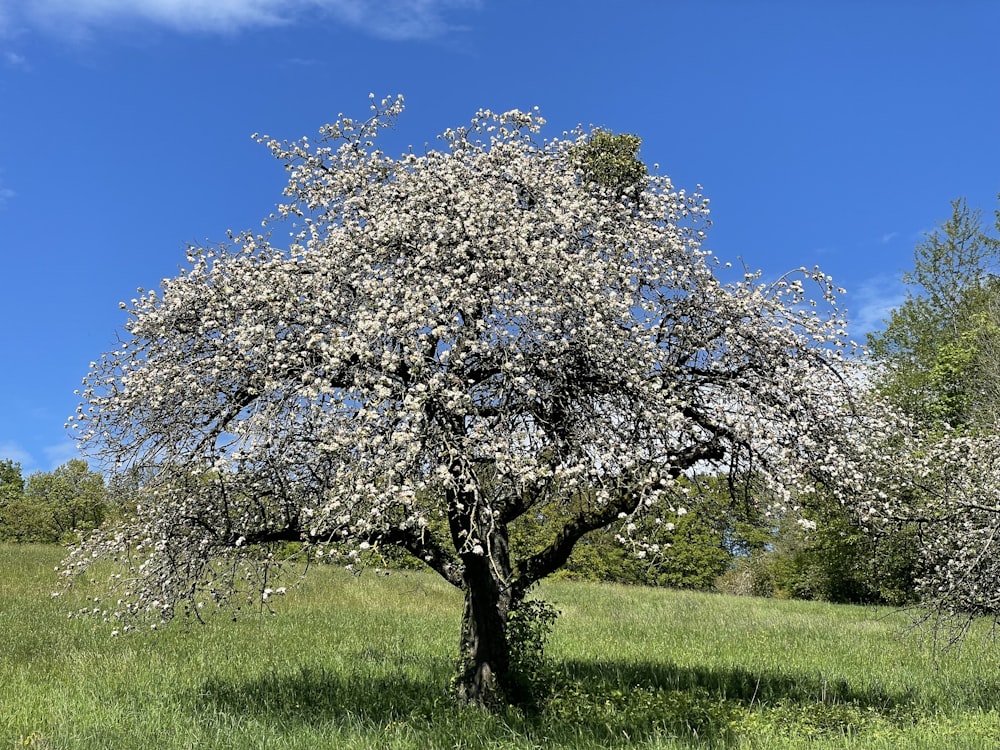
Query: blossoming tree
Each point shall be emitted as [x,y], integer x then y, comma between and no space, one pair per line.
[944,487]
[452,341]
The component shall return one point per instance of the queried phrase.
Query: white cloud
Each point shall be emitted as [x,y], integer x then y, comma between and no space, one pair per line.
[889,237]
[11,450]
[57,455]
[390,19]
[14,60]
[402,19]
[183,15]
[871,302]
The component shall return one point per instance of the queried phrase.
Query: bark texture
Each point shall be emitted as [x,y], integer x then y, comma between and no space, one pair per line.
[484,674]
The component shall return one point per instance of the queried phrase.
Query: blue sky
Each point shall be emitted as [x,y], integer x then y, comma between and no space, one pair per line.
[830,133]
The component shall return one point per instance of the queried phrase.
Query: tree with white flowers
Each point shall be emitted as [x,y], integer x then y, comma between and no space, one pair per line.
[453,341]
[946,489]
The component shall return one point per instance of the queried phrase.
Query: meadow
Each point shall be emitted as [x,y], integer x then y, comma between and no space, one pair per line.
[364,662]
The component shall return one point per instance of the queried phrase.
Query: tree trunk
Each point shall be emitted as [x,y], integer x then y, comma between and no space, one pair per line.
[484,662]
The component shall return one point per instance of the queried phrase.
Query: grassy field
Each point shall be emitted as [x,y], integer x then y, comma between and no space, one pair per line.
[365,663]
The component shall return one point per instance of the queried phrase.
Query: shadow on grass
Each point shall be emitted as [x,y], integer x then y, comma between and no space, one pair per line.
[314,695]
[736,685]
[712,706]
[591,703]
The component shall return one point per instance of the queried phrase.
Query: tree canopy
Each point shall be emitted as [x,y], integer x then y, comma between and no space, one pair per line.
[938,354]
[51,506]
[454,342]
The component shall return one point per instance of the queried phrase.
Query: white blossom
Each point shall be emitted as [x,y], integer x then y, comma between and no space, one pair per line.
[464,336]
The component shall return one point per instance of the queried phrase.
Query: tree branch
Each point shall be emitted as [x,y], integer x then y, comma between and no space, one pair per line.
[427,549]
[536,567]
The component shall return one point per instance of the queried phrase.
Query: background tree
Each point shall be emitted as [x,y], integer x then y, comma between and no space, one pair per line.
[937,356]
[686,550]
[824,551]
[11,481]
[692,546]
[51,506]
[11,500]
[455,342]
[72,497]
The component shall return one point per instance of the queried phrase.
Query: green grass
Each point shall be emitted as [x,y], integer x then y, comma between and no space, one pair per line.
[365,662]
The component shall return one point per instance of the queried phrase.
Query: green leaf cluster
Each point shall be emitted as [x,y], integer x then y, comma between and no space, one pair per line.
[611,161]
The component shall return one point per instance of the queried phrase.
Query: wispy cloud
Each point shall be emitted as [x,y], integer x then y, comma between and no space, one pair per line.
[14,60]
[301,62]
[5,195]
[403,19]
[56,455]
[14,452]
[389,19]
[889,237]
[871,302]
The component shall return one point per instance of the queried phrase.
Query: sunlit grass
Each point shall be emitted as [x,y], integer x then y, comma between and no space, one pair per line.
[351,662]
